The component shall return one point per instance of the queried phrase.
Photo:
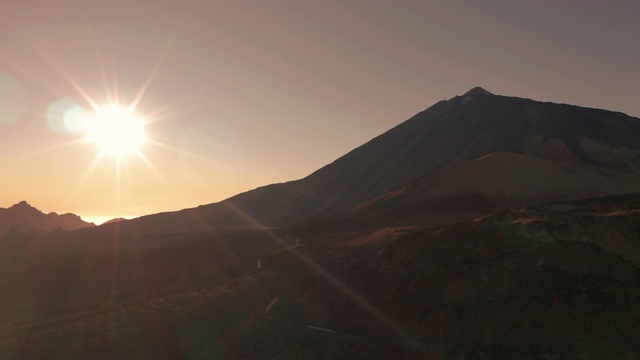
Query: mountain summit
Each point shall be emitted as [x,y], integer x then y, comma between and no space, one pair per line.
[477,91]
[21,204]
[470,153]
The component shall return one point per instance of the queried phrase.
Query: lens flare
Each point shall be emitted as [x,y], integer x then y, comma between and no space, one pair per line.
[65,117]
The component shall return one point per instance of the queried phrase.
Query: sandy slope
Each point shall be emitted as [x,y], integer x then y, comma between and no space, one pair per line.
[511,179]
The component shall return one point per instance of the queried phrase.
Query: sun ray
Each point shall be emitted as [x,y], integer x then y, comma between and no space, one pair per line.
[178,150]
[155,69]
[74,84]
[86,175]
[114,79]
[118,185]
[33,76]
[152,167]
[93,40]
[108,89]
[168,110]
[192,155]
[162,58]
[51,149]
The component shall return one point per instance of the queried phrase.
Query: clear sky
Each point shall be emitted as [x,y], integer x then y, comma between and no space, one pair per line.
[240,94]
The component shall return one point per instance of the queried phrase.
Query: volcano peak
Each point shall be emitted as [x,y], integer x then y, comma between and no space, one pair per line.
[477,91]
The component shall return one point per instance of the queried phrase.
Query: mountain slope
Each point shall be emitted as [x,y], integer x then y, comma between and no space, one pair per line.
[462,129]
[510,180]
[25,218]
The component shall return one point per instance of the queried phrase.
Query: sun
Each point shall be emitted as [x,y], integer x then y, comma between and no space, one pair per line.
[116,131]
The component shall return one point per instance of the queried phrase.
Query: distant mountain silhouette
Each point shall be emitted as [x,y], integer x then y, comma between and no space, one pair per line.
[493,150]
[25,218]
[116,220]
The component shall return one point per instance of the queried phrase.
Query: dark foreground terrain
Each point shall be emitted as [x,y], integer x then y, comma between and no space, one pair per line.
[554,282]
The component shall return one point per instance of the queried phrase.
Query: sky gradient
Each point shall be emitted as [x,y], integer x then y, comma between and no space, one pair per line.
[246,93]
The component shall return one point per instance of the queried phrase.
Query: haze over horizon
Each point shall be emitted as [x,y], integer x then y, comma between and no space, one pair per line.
[243,94]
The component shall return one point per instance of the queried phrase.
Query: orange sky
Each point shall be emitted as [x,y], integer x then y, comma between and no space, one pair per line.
[246,93]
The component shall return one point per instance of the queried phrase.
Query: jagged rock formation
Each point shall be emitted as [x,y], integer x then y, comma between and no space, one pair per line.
[24,218]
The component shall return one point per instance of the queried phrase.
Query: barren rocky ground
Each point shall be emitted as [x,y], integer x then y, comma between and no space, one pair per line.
[560,281]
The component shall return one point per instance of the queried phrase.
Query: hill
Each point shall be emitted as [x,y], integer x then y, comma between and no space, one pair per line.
[24,218]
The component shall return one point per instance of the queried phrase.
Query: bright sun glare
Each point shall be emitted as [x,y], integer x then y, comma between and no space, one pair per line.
[116,131]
